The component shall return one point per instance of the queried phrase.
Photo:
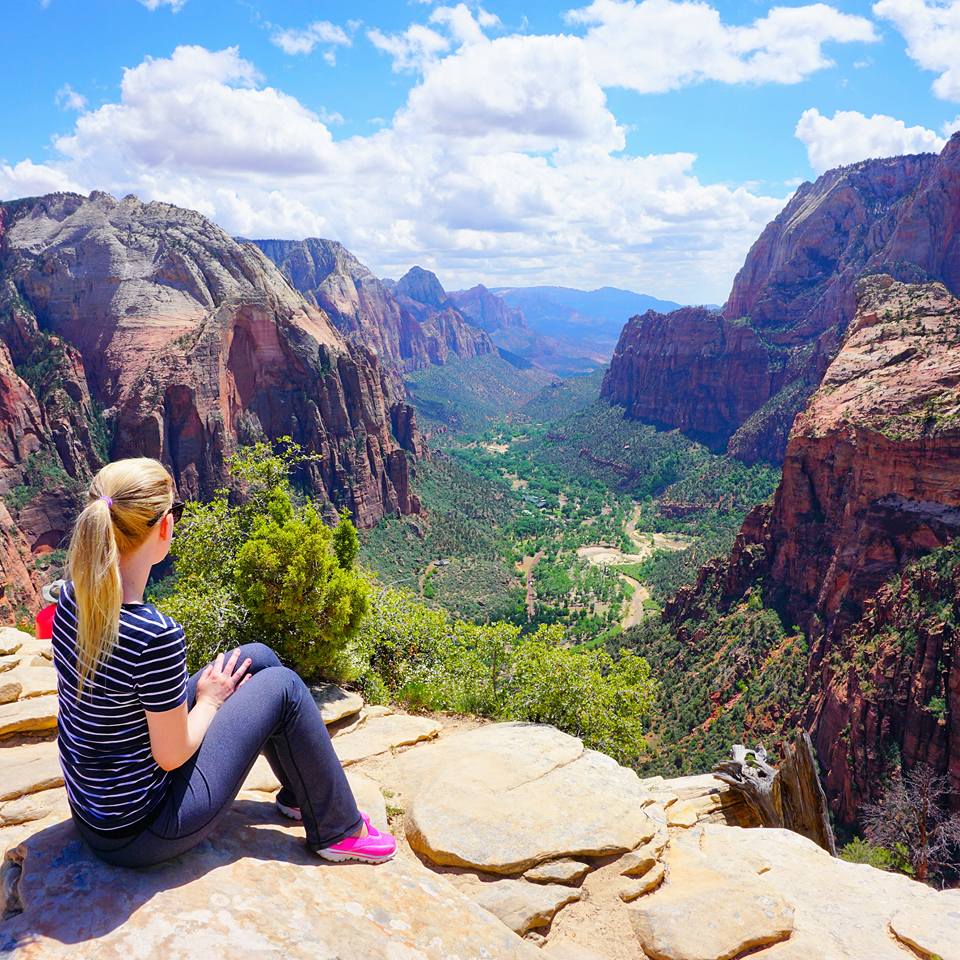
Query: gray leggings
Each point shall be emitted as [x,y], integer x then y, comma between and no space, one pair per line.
[273,714]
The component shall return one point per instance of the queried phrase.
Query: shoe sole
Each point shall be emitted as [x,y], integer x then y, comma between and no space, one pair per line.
[337,857]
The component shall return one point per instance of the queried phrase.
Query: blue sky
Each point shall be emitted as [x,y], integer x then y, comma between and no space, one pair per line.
[641,145]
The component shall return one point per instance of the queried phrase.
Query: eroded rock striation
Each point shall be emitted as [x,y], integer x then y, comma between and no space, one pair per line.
[134,328]
[737,380]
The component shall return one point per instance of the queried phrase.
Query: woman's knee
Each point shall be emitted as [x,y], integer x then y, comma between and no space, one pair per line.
[261,656]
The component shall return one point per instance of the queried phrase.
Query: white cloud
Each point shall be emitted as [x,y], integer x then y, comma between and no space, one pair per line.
[200,112]
[68,99]
[413,49]
[504,165]
[658,45]
[951,126]
[932,32]
[294,41]
[29,179]
[848,136]
[174,5]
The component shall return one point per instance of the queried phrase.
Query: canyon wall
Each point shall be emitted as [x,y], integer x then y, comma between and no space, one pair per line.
[870,486]
[790,304]
[409,324]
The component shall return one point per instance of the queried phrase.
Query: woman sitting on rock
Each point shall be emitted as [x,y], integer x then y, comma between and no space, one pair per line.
[152,759]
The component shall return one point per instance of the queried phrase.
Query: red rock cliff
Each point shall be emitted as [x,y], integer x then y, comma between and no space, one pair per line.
[871,484]
[795,295]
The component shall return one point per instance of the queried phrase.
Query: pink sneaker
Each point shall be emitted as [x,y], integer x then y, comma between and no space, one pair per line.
[376,847]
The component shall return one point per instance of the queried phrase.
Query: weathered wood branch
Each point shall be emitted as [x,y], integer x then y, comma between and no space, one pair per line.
[788,796]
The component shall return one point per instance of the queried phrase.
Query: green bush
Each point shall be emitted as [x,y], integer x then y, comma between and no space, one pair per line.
[267,568]
[859,850]
[425,658]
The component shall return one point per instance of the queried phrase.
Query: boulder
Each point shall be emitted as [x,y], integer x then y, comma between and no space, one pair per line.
[336,703]
[28,716]
[11,640]
[9,662]
[558,871]
[505,797]
[381,734]
[10,688]
[520,905]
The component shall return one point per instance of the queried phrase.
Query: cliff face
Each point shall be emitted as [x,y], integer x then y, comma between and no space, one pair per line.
[390,319]
[795,294]
[658,351]
[869,487]
[143,329]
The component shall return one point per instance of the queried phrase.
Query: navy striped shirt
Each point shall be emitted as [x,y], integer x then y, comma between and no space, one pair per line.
[111,777]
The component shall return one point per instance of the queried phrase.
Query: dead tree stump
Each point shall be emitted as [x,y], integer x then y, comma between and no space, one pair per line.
[788,796]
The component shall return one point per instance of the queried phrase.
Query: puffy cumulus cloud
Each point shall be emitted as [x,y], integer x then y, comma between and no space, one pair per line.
[294,41]
[849,136]
[413,49]
[200,111]
[505,165]
[517,93]
[29,179]
[932,32]
[658,45]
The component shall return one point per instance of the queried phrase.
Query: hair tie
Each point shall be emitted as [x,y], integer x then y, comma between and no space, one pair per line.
[108,499]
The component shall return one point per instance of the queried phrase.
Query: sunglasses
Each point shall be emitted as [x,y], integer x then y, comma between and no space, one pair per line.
[175,510]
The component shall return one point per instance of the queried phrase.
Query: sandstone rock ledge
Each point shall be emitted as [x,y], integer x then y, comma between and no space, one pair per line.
[516,842]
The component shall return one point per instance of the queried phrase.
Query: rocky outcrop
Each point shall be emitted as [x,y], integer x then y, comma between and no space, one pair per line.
[409,325]
[697,889]
[143,329]
[869,486]
[752,370]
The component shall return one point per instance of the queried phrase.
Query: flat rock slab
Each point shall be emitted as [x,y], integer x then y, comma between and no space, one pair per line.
[28,716]
[699,915]
[505,797]
[931,928]
[336,703]
[34,681]
[520,905]
[380,734]
[251,891]
[843,911]
[558,871]
[29,768]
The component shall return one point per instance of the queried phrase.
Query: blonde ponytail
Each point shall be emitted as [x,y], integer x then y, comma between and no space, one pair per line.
[123,498]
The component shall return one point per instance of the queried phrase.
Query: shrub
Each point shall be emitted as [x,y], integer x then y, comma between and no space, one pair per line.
[267,568]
